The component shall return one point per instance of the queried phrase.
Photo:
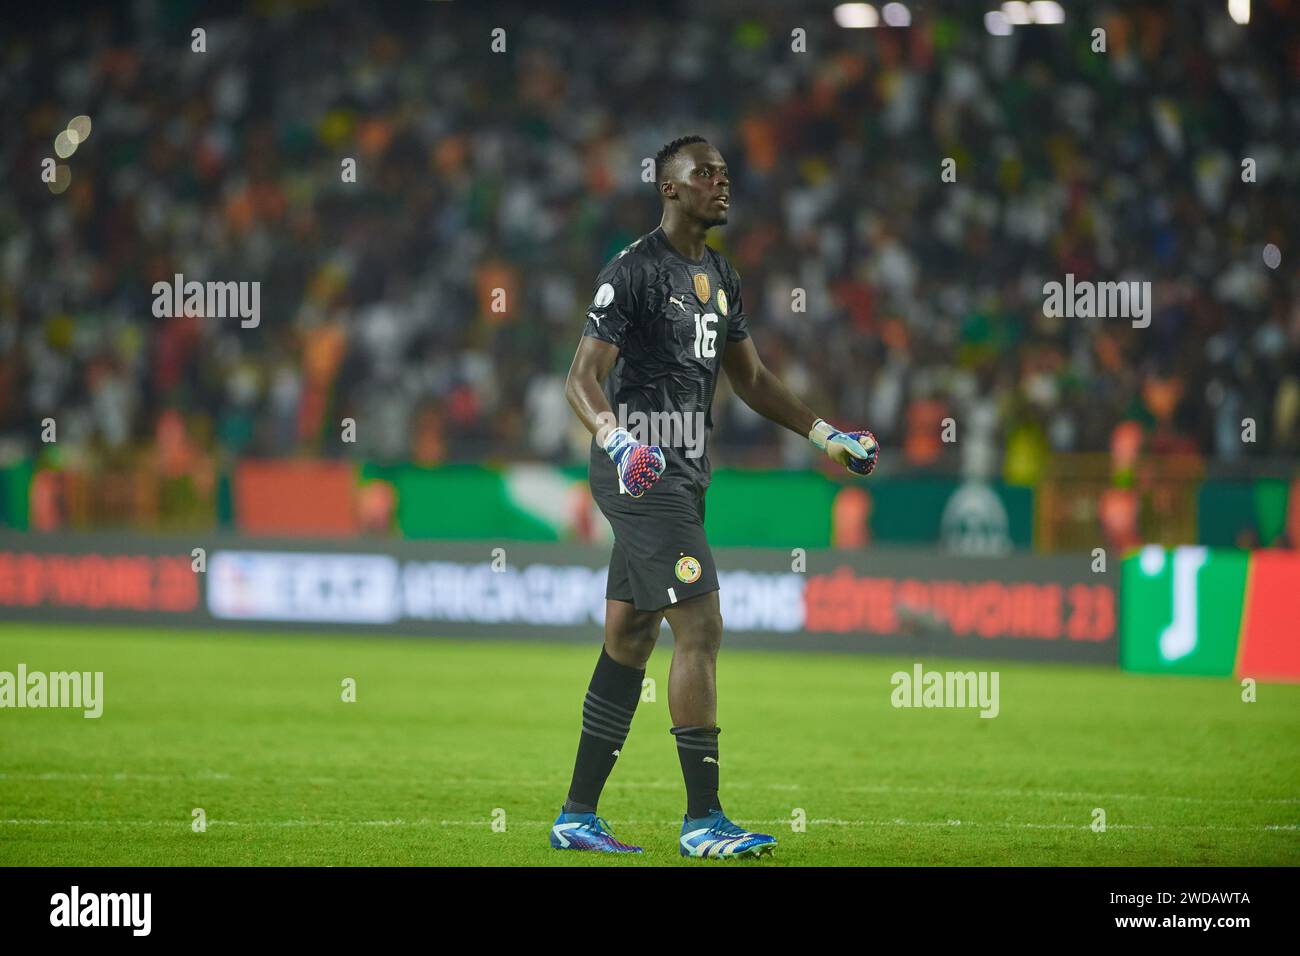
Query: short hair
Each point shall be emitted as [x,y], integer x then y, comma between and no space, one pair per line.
[665,155]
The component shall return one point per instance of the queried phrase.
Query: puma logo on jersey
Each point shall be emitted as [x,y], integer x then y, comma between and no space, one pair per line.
[615,753]
[711,760]
[594,317]
[678,302]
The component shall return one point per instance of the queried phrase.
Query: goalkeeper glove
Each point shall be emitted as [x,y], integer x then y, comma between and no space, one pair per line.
[639,466]
[856,451]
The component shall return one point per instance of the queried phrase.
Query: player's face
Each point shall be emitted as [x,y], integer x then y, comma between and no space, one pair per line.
[703,184]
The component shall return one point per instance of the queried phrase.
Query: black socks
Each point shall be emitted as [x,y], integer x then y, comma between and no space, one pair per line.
[697,748]
[607,714]
[606,718]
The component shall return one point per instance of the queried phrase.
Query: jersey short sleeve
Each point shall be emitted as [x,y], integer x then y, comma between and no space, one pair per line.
[613,308]
[738,321]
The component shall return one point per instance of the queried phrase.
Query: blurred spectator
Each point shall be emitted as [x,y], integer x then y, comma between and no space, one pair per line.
[437,298]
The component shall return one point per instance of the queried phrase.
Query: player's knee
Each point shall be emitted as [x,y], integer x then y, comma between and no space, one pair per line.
[633,643]
[701,635]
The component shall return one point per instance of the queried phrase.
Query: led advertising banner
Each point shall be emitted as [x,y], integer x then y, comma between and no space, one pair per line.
[1211,611]
[1052,608]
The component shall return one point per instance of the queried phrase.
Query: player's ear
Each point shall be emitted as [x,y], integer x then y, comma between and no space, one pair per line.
[668,189]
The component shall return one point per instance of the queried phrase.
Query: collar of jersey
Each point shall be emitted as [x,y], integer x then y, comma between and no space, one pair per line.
[672,250]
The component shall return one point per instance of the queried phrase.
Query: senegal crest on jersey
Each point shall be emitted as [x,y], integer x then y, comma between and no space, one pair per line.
[702,289]
[688,570]
[722,301]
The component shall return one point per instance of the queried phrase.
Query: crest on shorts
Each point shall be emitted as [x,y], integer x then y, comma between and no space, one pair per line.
[722,301]
[688,570]
[702,289]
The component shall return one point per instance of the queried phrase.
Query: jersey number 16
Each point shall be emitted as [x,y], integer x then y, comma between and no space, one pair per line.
[706,336]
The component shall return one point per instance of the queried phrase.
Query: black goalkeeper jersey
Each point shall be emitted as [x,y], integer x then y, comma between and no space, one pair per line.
[671,318]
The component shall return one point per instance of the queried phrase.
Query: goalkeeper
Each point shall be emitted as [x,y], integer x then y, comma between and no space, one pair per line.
[666,318]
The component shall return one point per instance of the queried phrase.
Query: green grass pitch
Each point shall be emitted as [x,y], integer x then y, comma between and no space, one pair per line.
[444,734]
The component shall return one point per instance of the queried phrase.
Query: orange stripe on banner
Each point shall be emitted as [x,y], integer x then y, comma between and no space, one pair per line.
[296,497]
[1269,644]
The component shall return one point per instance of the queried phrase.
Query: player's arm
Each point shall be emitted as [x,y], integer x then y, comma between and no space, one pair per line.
[584,387]
[639,466]
[761,390]
[611,314]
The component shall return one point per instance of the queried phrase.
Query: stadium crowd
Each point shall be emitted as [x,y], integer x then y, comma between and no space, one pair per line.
[522,170]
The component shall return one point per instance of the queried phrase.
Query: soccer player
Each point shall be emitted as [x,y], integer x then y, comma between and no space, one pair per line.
[666,318]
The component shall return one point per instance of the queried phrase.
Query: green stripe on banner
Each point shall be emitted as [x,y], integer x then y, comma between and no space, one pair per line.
[745,508]
[1270,509]
[774,509]
[1180,610]
[1224,509]
[1234,513]
[459,502]
[15,485]
[970,517]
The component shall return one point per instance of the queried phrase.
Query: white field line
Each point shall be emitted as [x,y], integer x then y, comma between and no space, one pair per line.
[1064,794]
[560,784]
[121,776]
[780,822]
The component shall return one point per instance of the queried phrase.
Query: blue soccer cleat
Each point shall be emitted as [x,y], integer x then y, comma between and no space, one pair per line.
[716,837]
[586,831]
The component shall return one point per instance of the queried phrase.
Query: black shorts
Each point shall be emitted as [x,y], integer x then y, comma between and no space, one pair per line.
[661,556]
